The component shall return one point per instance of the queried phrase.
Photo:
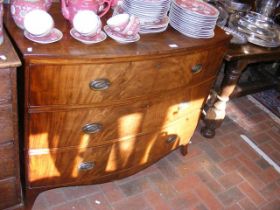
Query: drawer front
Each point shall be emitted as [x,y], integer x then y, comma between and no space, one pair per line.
[9,193]
[7,160]
[5,86]
[6,124]
[97,126]
[89,84]
[62,166]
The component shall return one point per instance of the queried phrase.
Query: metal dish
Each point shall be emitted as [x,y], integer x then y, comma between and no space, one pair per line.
[265,33]
[259,19]
[236,5]
[271,44]
[238,37]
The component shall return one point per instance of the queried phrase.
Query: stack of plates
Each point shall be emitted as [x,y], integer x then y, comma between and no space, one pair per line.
[151,13]
[193,18]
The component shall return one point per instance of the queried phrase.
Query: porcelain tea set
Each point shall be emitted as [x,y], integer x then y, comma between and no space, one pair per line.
[84,16]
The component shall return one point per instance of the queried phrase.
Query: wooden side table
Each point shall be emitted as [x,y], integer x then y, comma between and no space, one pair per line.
[236,60]
[10,187]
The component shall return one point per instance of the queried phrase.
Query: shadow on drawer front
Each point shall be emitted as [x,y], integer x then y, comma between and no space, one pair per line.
[96,126]
[62,166]
[89,84]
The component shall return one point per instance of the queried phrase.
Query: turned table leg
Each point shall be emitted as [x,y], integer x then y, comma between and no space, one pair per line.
[216,113]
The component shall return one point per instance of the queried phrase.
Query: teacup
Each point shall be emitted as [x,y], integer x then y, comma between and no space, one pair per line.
[133,26]
[38,23]
[118,22]
[87,23]
[124,24]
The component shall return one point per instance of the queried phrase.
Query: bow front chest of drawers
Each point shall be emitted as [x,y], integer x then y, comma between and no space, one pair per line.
[95,113]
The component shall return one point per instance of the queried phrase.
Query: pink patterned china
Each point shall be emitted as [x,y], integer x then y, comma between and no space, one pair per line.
[124,24]
[88,39]
[133,26]
[118,22]
[87,23]
[1,22]
[71,7]
[54,36]
[19,8]
[38,22]
[198,7]
[124,39]
[193,18]
[149,12]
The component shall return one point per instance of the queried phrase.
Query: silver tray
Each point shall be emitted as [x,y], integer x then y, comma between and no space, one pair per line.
[265,33]
[238,37]
[255,40]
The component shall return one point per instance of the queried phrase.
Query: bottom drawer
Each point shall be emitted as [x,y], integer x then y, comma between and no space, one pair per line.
[58,167]
[9,193]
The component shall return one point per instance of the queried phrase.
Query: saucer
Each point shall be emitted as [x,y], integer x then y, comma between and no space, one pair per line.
[88,39]
[121,38]
[54,36]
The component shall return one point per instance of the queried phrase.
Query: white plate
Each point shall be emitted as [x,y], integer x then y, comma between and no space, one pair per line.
[54,36]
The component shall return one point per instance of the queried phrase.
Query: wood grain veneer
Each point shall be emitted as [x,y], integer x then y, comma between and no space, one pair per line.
[154,96]
[10,186]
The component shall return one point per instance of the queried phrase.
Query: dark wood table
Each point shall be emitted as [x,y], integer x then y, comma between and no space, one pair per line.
[236,60]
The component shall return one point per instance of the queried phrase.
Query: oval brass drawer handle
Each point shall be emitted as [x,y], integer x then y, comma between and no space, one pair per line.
[171,138]
[197,68]
[86,166]
[99,84]
[92,128]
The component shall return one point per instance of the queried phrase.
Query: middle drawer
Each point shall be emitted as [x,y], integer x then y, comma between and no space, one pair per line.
[97,126]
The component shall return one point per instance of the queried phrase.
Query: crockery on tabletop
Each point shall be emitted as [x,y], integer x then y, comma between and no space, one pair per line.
[193,18]
[19,8]
[70,8]
[87,27]
[38,22]
[54,36]
[87,23]
[149,12]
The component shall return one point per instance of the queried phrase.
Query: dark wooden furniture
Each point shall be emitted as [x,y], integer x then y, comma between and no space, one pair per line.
[10,187]
[237,59]
[95,113]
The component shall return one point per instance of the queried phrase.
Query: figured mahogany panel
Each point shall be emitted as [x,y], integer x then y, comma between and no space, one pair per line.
[69,84]
[61,166]
[63,129]
[9,193]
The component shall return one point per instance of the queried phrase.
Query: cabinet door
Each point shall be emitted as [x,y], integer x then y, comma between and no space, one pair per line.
[64,166]
[110,83]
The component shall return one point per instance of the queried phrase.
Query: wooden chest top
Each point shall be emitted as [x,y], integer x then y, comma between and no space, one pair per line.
[149,46]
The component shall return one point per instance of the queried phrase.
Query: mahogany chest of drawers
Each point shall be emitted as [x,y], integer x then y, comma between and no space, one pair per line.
[10,187]
[95,113]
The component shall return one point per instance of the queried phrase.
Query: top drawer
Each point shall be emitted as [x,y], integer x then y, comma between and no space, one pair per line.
[89,84]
